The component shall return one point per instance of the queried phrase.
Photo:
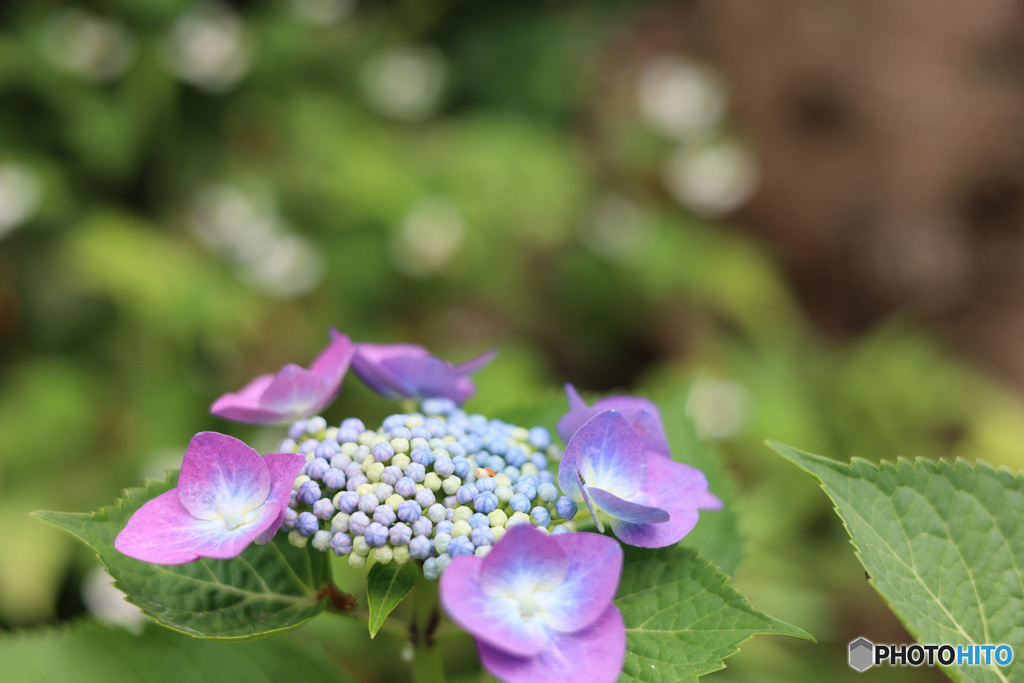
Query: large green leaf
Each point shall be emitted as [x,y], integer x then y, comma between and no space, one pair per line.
[267,588]
[88,652]
[386,586]
[942,542]
[682,618]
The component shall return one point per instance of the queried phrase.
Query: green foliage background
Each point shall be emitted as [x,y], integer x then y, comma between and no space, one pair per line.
[119,324]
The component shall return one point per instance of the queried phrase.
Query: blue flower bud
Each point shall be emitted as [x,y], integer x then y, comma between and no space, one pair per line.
[287,446]
[485,502]
[323,509]
[376,535]
[290,517]
[420,432]
[353,423]
[547,492]
[355,481]
[481,536]
[315,425]
[382,491]
[348,435]
[565,507]
[547,477]
[416,471]
[511,472]
[400,534]
[436,512]
[445,467]
[478,520]
[540,460]
[462,467]
[385,515]
[334,479]
[368,503]
[438,406]
[486,484]
[425,497]
[560,529]
[308,492]
[430,570]
[409,511]
[357,523]
[382,451]
[327,450]
[497,446]
[293,499]
[317,468]
[540,437]
[540,516]
[495,462]
[420,548]
[307,524]
[341,544]
[460,545]
[406,487]
[450,502]
[297,430]
[465,494]
[519,503]
[346,501]
[455,450]
[354,469]
[308,446]
[400,433]
[422,456]
[422,526]
[528,490]
[443,527]
[443,560]
[391,475]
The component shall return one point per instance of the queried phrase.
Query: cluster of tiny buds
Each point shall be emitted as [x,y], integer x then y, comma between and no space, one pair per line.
[426,486]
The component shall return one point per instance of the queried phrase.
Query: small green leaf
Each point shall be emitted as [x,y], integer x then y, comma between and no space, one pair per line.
[268,588]
[386,586]
[943,544]
[682,618]
[88,652]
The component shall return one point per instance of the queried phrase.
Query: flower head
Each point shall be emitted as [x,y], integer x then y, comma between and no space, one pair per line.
[641,413]
[540,607]
[653,501]
[294,391]
[410,371]
[227,497]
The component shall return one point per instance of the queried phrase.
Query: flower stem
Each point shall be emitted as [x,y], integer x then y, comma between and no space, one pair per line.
[427,665]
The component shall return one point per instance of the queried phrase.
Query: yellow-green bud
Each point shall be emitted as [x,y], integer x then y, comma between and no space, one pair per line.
[498,518]
[461,528]
[451,485]
[462,513]
[432,481]
[383,554]
[400,461]
[356,561]
[297,539]
[401,445]
[299,480]
[393,501]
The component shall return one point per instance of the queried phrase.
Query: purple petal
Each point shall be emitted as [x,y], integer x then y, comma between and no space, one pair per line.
[641,413]
[368,360]
[425,377]
[709,501]
[294,391]
[593,655]
[607,453]
[474,364]
[221,475]
[678,489]
[155,532]
[591,579]
[626,510]
[524,561]
[496,620]
[284,468]
[333,362]
[244,405]
[585,492]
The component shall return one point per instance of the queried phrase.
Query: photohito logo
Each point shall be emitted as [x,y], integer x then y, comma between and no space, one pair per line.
[864,654]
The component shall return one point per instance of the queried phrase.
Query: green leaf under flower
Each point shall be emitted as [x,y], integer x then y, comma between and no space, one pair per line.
[266,589]
[386,586]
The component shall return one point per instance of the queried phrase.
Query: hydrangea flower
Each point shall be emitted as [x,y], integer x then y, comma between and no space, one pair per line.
[227,497]
[653,500]
[641,414]
[410,371]
[540,607]
[294,391]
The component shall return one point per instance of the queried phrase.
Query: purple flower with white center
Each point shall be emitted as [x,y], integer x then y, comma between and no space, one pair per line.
[653,501]
[641,413]
[227,497]
[540,607]
[294,391]
[410,371]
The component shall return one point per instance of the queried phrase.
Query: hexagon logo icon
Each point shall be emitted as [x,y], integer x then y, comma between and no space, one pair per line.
[862,654]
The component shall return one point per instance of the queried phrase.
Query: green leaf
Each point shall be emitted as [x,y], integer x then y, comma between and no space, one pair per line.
[88,652]
[268,588]
[716,534]
[386,586]
[682,618]
[943,544]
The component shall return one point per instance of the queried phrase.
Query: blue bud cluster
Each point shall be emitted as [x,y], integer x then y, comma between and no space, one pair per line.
[425,486]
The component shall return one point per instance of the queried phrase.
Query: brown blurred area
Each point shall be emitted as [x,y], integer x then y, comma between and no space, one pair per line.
[888,136]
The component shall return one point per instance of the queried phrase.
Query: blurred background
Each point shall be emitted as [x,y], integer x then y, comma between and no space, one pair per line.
[810,213]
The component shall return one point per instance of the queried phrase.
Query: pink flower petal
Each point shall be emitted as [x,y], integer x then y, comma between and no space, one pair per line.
[591,579]
[222,475]
[641,413]
[592,655]
[294,391]
[284,468]
[159,532]
[677,488]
